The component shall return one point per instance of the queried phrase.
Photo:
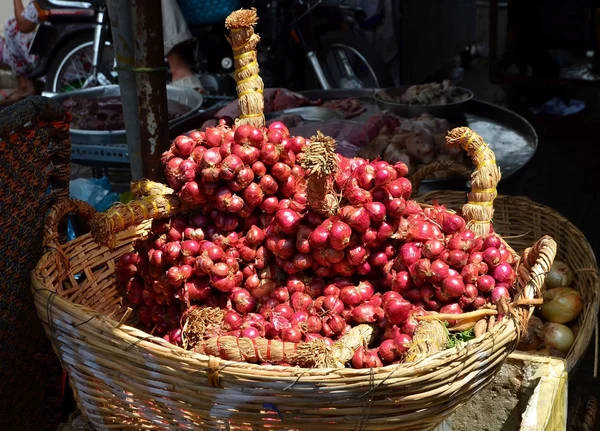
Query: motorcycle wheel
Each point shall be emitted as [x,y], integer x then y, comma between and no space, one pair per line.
[349,61]
[71,67]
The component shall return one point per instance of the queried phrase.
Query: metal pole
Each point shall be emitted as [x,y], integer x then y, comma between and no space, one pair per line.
[119,12]
[151,84]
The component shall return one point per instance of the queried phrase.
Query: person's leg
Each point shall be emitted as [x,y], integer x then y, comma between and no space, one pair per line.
[15,57]
[22,64]
[175,32]
[10,28]
[26,88]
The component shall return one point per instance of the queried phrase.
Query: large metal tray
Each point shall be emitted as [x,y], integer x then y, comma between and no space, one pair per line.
[511,136]
[110,146]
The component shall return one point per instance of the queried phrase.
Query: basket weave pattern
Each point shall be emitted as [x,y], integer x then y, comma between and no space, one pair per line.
[34,155]
[520,221]
[125,377]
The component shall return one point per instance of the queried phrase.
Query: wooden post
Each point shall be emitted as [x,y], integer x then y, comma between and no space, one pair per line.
[122,36]
[151,84]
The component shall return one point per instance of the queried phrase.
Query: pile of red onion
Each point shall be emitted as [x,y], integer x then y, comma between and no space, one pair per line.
[282,271]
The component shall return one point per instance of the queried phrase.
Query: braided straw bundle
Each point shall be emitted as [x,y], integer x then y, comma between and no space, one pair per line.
[250,85]
[479,210]
[120,216]
[314,354]
[149,188]
[320,162]
[203,326]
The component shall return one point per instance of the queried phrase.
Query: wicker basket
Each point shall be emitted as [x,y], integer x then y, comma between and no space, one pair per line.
[521,221]
[125,377]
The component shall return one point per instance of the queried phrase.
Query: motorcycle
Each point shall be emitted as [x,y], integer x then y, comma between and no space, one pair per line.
[73,44]
[317,45]
[314,44]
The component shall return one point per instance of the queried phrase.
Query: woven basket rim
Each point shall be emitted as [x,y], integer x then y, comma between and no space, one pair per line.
[564,218]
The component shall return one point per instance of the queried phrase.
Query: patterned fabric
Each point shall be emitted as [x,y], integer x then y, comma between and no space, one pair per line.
[34,156]
[15,52]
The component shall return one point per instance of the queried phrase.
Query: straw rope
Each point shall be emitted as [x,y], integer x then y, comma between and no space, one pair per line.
[122,216]
[426,171]
[202,328]
[479,209]
[309,355]
[145,187]
[430,337]
[320,163]
[249,86]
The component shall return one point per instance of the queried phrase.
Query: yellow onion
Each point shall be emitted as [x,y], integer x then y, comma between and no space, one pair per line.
[561,304]
[557,336]
[560,275]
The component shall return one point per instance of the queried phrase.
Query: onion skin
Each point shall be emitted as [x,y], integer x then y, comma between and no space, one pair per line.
[530,339]
[388,352]
[339,237]
[366,313]
[561,305]
[451,309]
[557,336]
[560,275]
[499,292]
[397,310]
[364,358]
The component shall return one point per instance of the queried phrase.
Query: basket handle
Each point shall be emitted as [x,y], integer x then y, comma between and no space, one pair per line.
[479,209]
[120,217]
[426,171]
[532,268]
[57,213]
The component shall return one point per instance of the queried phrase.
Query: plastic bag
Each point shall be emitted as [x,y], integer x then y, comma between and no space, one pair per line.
[95,191]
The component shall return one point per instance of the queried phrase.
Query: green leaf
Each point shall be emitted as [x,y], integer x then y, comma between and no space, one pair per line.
[460,337]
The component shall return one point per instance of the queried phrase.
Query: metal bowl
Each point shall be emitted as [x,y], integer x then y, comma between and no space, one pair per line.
[450,111]
[185,96]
